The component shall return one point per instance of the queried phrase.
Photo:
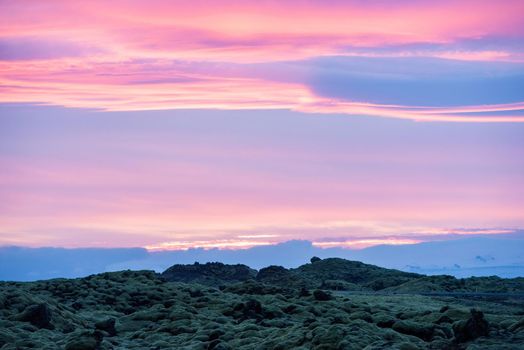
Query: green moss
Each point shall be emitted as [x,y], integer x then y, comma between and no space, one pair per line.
[149,312]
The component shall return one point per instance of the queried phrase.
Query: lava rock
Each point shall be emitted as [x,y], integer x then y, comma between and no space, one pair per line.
[517,325]
[214,335]
[211,274]
[303,293]
[6,338]
[419,330]
[251,309]
[474,327]
[253,306]
[107,325]
[273,273]
[38,315]
[196,293]
[83,343]
[314,259]
[321,295]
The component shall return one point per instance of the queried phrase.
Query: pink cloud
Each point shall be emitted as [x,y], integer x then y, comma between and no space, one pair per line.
[177,26]
[228,55]
[113,87]
[124,51]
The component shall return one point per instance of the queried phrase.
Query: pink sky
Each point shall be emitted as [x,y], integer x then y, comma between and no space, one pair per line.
[131,55]
[229,124]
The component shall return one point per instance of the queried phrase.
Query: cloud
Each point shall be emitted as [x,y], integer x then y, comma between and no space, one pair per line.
[38,48]
[178,26]
[356,58]
[406,88]
[417,81]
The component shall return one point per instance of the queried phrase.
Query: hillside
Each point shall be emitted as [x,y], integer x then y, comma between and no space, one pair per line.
[212,274]
[241,310]
[339,274]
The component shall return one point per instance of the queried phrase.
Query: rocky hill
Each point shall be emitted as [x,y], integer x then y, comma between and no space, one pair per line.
[339,274]
[231,307]
[212,274]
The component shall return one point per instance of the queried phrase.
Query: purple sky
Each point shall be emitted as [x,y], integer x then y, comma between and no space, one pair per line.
[73,177]
[176,125]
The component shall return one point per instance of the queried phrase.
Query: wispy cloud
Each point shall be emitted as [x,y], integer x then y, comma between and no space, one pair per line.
[228,55]
[144,178]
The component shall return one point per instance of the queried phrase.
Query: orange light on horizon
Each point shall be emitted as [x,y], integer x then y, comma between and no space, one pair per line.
[365,243]
[216,244]
[246,244]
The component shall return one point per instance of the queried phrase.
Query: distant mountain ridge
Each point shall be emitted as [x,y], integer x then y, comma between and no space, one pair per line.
[331,273]
[487,255]
[337,274]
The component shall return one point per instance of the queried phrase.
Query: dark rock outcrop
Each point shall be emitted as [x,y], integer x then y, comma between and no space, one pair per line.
[38,315]
[212,274]
[337,274]
[107,325]
[369,277]
[5,338]
[273,274]
[85,342]
[251,309]
[419,330]
[474,327]
[314,259]
[255,288]
[321,295]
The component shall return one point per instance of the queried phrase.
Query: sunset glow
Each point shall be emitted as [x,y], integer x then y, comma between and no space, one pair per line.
[229,125]
[231,55]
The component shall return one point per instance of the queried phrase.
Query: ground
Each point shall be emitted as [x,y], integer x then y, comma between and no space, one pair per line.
[142,310]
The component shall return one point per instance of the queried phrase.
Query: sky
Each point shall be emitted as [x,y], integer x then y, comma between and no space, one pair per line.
[232,124]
